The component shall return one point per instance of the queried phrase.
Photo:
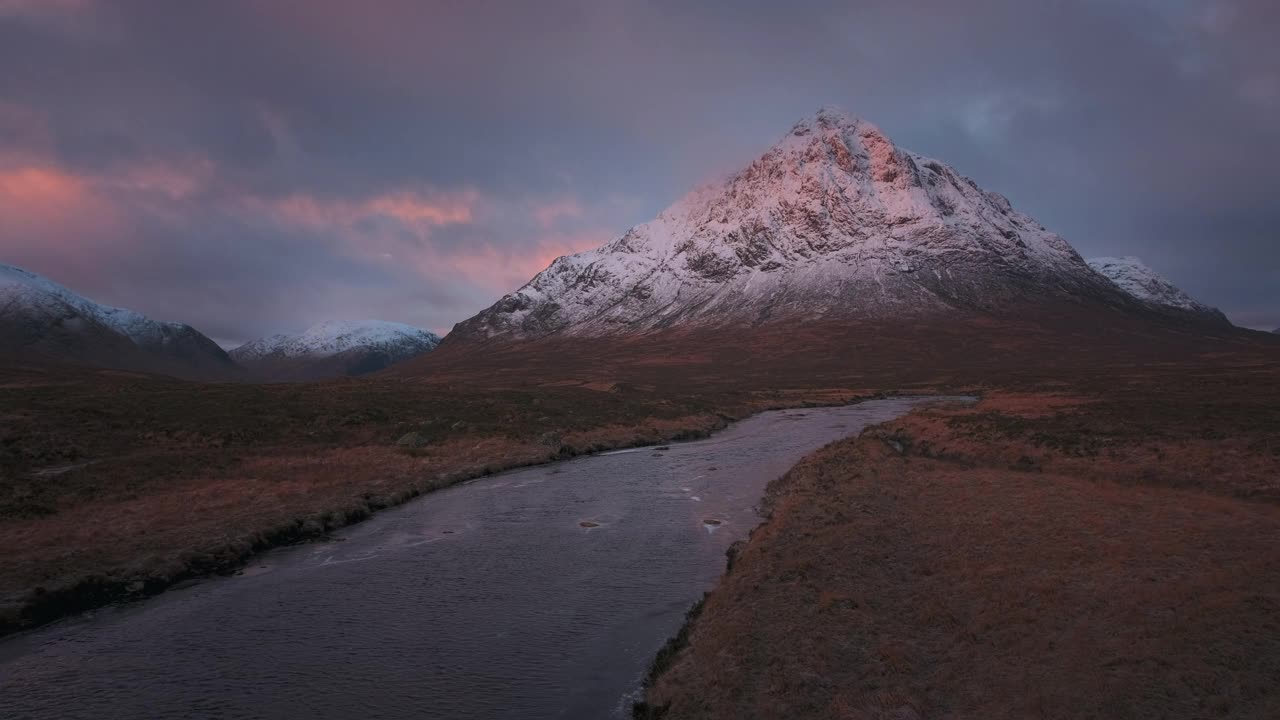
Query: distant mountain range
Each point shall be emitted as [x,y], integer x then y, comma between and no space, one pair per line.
[333,349]
[832,222]
[42,321]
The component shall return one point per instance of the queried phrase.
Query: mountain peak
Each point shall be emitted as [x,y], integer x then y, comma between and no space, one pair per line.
[827,118]
[334,348]
[832,220]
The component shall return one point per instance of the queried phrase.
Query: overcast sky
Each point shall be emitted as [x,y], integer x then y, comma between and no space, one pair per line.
[256,167]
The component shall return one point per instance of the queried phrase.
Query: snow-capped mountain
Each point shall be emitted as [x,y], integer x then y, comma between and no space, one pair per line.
[1151,288]
[333,349]
[40,319]
[832,221]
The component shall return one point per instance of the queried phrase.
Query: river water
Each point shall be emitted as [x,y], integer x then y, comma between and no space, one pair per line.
[538,593]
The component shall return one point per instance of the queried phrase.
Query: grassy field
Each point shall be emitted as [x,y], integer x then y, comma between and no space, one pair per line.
[114,485]
[1102,546]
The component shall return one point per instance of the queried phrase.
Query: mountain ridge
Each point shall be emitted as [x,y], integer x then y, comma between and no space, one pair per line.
[1151,288]
[42,319]
[334,348]
[834,220]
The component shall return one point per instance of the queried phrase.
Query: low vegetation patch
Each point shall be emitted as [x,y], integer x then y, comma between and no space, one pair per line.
[1022,558]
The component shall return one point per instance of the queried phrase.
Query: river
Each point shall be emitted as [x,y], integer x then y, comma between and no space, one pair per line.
[537,593]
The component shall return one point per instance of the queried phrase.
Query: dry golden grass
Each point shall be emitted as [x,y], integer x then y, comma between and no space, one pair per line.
[1049,555]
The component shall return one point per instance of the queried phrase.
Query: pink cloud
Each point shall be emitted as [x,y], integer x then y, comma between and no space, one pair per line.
[58,216]
[420,208]
[44,205]
[28,158]
[54,218]
[497,268]
[488,261]
[174,179]
[41,188]
[501,267]
[411,208]
[548,214]
[554,245]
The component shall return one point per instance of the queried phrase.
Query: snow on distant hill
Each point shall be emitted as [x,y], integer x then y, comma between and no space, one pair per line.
[333,349]
[1133,276]
[833,221]
[40,319]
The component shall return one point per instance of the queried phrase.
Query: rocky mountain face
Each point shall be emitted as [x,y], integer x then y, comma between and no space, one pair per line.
[333,349]
[834,221]
[41,320]
[1152,289]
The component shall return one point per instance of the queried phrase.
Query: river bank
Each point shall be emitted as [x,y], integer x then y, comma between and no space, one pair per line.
[177,481]
[1076,551]
[114,484]
[538,593]
[383,479]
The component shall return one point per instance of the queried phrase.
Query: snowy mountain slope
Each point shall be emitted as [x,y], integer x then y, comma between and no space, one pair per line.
[832,221]
[1132,276]
[333,349]
[42,319]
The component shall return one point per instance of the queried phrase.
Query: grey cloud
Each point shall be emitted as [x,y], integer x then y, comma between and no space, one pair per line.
[1139,127]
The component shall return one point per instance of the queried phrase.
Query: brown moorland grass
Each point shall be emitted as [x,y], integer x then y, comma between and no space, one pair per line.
[1104,549]
[114,484]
